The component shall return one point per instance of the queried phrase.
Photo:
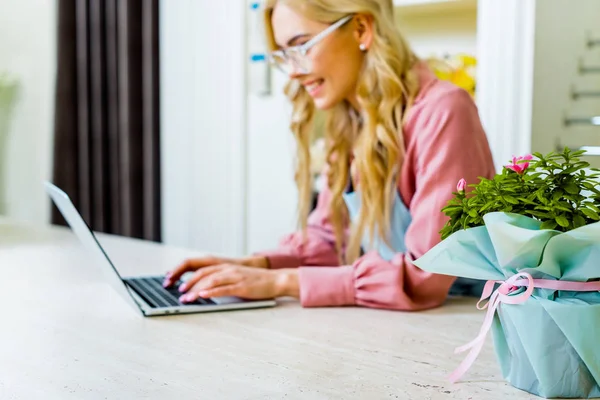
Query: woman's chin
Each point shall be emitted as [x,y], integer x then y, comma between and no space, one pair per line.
[324,102]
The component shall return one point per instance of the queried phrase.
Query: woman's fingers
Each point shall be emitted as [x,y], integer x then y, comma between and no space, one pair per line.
[208,279]
[198,275]
[233,280]
[235,289]
[208,276]
[191,264]
[174,275]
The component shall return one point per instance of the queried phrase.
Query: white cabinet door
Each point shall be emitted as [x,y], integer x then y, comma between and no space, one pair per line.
[227,151]
[529,55]
[558,117]
[203,124]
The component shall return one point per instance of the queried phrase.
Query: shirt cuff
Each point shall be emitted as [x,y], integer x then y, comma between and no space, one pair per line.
[326,286]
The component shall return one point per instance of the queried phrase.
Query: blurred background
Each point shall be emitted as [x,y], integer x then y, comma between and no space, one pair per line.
[162,120]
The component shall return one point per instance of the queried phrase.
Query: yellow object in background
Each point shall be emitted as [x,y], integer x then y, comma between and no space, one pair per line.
[458,69]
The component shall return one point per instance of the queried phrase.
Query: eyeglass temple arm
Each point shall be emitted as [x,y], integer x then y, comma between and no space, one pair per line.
[326,32]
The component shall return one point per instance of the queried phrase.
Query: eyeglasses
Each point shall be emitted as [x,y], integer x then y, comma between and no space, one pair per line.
[295,58]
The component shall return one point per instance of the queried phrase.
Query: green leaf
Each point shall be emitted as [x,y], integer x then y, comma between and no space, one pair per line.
[570,170]
[592,206]
[535,175]
[451,208]
[456,225]
[561,207]
[590,214]
[576,198]
[539,214]
[454,213]
[487,206]
[591,187]
[549,224]
[562,221]
[554,164]
[472,201]
[526,201]
[465,223]
[537,155]
[541,197]
[578,221]
[572,188]
[473,213]
[557,195]
[510,199]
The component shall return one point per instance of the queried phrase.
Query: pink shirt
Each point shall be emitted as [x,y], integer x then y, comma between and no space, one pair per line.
[445,142]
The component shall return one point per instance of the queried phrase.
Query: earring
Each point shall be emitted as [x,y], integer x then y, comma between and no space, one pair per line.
[362,47]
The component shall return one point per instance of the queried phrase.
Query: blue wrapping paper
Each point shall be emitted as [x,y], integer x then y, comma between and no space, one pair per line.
[548,345]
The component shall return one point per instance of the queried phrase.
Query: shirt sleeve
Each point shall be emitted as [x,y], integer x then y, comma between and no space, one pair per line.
[450,144]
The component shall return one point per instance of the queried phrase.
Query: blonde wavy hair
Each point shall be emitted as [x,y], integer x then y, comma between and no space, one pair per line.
[386,88]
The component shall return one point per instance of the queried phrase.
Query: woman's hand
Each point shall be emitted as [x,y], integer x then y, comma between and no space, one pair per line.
[241,281]
[194,264]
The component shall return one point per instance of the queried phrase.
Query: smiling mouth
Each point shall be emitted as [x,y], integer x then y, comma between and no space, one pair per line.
[313,87]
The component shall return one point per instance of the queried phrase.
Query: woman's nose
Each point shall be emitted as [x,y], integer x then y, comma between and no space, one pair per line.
[295,72]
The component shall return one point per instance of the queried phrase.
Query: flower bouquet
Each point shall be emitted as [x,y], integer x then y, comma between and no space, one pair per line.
[458,69]
[533,233]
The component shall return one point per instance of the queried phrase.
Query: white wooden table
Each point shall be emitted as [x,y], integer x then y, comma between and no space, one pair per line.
[66,335]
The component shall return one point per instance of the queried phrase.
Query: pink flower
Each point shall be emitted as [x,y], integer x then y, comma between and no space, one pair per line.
[520,167]
[460,186]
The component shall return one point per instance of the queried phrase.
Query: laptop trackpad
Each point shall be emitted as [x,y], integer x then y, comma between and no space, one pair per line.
[227,300]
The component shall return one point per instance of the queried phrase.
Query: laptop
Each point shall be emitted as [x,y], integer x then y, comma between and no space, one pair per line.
[144,293]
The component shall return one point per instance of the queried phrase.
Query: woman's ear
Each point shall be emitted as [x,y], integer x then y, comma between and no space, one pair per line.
[363,30]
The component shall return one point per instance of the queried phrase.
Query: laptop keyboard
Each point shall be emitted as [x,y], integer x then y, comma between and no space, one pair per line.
[153,292]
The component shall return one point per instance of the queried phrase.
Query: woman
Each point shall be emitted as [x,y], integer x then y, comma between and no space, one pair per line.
[399,141]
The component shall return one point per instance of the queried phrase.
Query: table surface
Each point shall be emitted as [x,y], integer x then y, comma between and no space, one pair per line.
[68,335]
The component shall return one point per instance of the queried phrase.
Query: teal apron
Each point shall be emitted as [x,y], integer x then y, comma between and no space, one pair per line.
[401,219]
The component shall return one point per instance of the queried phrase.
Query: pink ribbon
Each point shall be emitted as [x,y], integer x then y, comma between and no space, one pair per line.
[504,295]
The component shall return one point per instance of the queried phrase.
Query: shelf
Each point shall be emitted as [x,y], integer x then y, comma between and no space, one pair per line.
[428,7]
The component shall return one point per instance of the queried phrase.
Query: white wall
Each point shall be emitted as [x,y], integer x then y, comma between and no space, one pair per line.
[27,51]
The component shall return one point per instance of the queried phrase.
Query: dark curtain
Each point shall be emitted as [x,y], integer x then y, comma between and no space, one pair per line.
[106,155]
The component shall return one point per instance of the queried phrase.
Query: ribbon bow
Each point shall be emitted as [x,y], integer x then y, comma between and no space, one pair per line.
[506,294]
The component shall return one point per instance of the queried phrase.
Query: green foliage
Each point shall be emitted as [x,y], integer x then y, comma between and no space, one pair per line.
[554,189]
